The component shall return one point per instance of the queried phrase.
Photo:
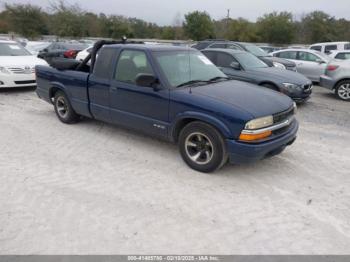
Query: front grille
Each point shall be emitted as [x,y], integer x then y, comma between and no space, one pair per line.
[307,87]
[26,82]
[22,70]
[280,117]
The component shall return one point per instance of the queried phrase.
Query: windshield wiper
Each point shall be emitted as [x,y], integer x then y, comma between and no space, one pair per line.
[192,82]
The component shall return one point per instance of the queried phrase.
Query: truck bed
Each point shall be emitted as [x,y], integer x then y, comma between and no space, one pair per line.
[73,83]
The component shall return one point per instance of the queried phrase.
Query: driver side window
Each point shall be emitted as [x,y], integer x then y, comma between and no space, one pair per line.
[305,56]
[131,63]
[224,60]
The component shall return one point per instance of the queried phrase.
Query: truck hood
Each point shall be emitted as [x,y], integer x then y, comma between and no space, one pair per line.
[28,60]
[256,100]
[280,75]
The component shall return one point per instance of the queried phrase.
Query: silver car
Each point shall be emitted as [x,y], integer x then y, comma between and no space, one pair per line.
[310,63]
[337,78]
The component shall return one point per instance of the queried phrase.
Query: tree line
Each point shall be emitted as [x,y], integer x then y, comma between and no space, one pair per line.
[65,20]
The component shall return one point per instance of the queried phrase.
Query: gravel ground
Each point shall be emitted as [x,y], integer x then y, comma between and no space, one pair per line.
[92,188]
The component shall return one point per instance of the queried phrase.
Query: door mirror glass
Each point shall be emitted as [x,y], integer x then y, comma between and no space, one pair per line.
[146,80]
[235,66]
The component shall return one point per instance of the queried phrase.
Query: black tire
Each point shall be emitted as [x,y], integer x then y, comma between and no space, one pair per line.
[342,90]
[270,86]
[64,109]
[206,154]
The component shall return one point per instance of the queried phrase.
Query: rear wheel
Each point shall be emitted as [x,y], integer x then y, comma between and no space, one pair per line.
[64,109]
[343,90]
[202,147]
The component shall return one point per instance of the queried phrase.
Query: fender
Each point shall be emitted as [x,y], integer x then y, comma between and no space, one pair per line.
[57,85]
[214,121]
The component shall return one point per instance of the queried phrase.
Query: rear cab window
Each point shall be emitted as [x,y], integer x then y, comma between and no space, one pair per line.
[104,63]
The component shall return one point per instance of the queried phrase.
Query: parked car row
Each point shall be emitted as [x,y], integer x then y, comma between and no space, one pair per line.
[251,48]
[244,66]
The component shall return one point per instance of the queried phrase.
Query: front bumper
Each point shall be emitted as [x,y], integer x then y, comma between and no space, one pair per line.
[327,82]
[299,95]
[17,80]
[240,152]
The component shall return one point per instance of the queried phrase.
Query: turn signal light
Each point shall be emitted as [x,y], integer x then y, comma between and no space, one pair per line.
[254,137]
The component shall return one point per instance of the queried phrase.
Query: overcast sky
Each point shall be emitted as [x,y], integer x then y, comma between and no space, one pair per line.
[163,12]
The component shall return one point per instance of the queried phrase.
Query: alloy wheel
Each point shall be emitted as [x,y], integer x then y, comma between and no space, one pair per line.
[199,148]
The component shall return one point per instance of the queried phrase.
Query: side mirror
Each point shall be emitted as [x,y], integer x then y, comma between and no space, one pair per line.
[235,66]
[146,80]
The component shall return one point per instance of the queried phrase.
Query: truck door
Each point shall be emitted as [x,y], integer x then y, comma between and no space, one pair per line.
[138,107]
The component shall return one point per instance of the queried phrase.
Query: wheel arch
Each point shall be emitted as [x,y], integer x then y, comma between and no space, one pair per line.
[271,84]
[187,118]
[55,86]
[339,81]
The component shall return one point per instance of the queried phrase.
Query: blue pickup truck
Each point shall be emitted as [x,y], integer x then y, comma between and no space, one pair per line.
[177,94]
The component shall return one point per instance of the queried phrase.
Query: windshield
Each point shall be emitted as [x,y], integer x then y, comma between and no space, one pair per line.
[12,49]
[255,50]
[180,67]
[249,61]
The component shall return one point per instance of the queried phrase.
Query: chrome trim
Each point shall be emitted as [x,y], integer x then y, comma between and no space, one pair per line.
[270,128]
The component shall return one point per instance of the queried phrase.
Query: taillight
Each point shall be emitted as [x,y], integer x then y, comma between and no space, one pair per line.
[332,67]
[70,54]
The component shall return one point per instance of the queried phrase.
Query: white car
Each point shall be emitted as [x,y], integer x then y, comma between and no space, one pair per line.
[310,63]
[17,65]
[83,54]
[341,55]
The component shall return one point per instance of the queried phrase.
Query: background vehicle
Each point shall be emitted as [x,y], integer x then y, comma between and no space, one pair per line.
[241,65]
[17,65]
[251,48]
[270,49]
[310,63]
[327,48]
[266,58]
[177,94]
[341,55]
[61,49]
[337,78]
[83,54]
[35,47]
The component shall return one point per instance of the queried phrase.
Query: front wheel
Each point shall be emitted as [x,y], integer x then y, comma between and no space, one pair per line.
[202,147]
[343,90]
[64,109]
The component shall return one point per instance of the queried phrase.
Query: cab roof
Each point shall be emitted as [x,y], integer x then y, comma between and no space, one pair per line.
[151,47]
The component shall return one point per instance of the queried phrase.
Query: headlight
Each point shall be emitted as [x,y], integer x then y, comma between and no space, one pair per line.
[259,123]
[279,65]
[291,86]
[4,70]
